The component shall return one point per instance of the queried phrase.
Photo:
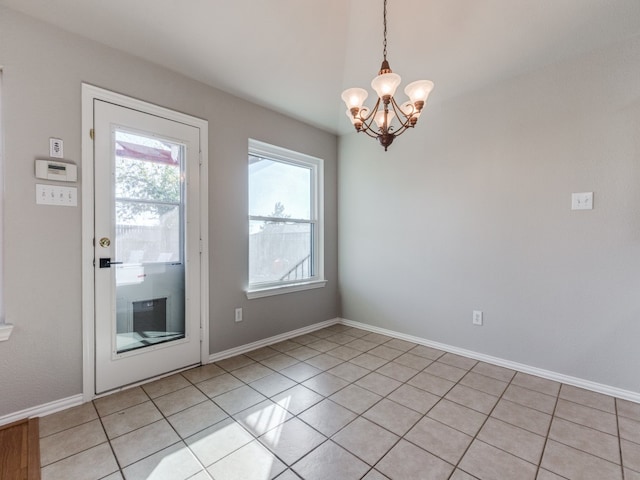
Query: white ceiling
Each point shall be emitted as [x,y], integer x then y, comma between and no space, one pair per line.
[296,56]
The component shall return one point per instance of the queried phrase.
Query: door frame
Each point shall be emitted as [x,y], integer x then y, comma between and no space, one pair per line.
[91,93]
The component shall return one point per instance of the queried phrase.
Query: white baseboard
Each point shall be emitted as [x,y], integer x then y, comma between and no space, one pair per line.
[42,410]
[539,372]
[214,357]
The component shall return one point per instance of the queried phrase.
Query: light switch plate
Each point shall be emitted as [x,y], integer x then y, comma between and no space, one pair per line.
[56,195]
[582,201]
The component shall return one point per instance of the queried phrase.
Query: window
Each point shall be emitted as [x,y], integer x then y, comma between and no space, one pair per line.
[285,221]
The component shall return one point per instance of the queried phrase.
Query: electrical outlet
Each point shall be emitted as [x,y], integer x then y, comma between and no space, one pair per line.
[238,314]
[56,148]
[477,317]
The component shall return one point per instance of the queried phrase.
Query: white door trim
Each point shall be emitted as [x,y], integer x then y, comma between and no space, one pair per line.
[89,94]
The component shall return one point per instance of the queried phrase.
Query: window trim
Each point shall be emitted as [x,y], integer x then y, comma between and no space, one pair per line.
[279,154]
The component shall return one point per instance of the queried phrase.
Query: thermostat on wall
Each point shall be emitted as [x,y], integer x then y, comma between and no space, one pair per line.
[58,171]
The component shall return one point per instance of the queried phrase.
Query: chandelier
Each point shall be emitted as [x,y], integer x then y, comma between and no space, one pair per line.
[386,113]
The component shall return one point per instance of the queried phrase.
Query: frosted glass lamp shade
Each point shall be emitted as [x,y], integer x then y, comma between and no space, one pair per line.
[354,97]
[419,90]
[386,84]
[380,118]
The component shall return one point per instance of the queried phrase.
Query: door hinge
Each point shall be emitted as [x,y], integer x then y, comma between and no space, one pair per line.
[200,245]
[92,134]
[200,158]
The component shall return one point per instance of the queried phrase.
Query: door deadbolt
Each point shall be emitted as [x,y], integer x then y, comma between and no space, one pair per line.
[104,242]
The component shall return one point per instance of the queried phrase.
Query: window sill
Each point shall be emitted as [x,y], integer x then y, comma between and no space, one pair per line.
[281,290]
[5,331]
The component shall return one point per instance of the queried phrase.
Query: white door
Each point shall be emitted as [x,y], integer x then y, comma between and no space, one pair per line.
[146,247]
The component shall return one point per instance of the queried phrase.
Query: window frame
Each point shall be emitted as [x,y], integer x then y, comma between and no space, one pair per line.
[316,221]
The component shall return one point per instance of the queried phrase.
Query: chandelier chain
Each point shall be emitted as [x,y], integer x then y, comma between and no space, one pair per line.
[384,22]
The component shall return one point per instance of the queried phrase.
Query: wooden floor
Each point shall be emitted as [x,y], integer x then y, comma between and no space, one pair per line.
[20,451]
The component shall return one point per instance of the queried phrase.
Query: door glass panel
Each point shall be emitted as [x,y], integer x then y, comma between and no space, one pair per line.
[149,238]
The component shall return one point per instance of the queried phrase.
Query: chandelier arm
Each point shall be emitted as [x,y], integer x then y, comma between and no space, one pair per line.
[403,125]
[368,120]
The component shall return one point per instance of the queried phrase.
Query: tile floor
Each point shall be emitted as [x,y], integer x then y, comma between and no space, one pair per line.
[344,404]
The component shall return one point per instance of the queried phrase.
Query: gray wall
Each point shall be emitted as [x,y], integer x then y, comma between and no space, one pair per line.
[43,71]
[471,210]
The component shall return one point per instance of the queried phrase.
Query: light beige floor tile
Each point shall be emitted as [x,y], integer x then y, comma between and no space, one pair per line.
[414,361]
[173,463]
[292,440]
[414,398]
[385,352]
[427,352]
[261,353]
[120,400]
[272,384]
[325,384]
[494,371]
[431,383]
[288,475]
[547,475]
[205,372]
[219,385]
[323,345]
[114,476]
[302,353]
[341,338]
[324,333]
[300,372]
[251,462]
[356,332]
[377,338]
[344,353]
[484,384]
[279,362]
[362,345]
[218,441]
[629,429]
[439,439]
[588,398]
[454,360]
[631,475]
[378,440]
[392,416]
[261,418]
[630,455]
[179,400]
[252,372]
[297,399]
[330,461]
[461,418]
[233,363]
[133,446]
[324,361]
[402,345]
[92,464]
[474,399]
[460,475]
[523,417]
[628,409]
[285,346]
[513,440]
[130,419]
[348,371]
[379,384]
[587,416]
[538,384]
[71,441]
[374,475]
[355,398]
[489,463]
[71,417]
[586,439]
[405,461]
[368,361]
[571,463]
[448,372]
[165,385]
[196,418]
[203,475]
[327,417]
[529,398]
[397,371]
[239,399]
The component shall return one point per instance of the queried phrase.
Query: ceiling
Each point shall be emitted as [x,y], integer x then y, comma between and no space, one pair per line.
[296,56]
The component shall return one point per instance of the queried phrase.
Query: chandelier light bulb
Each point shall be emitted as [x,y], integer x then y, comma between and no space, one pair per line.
[354,97]
[383,121]
[418,91]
